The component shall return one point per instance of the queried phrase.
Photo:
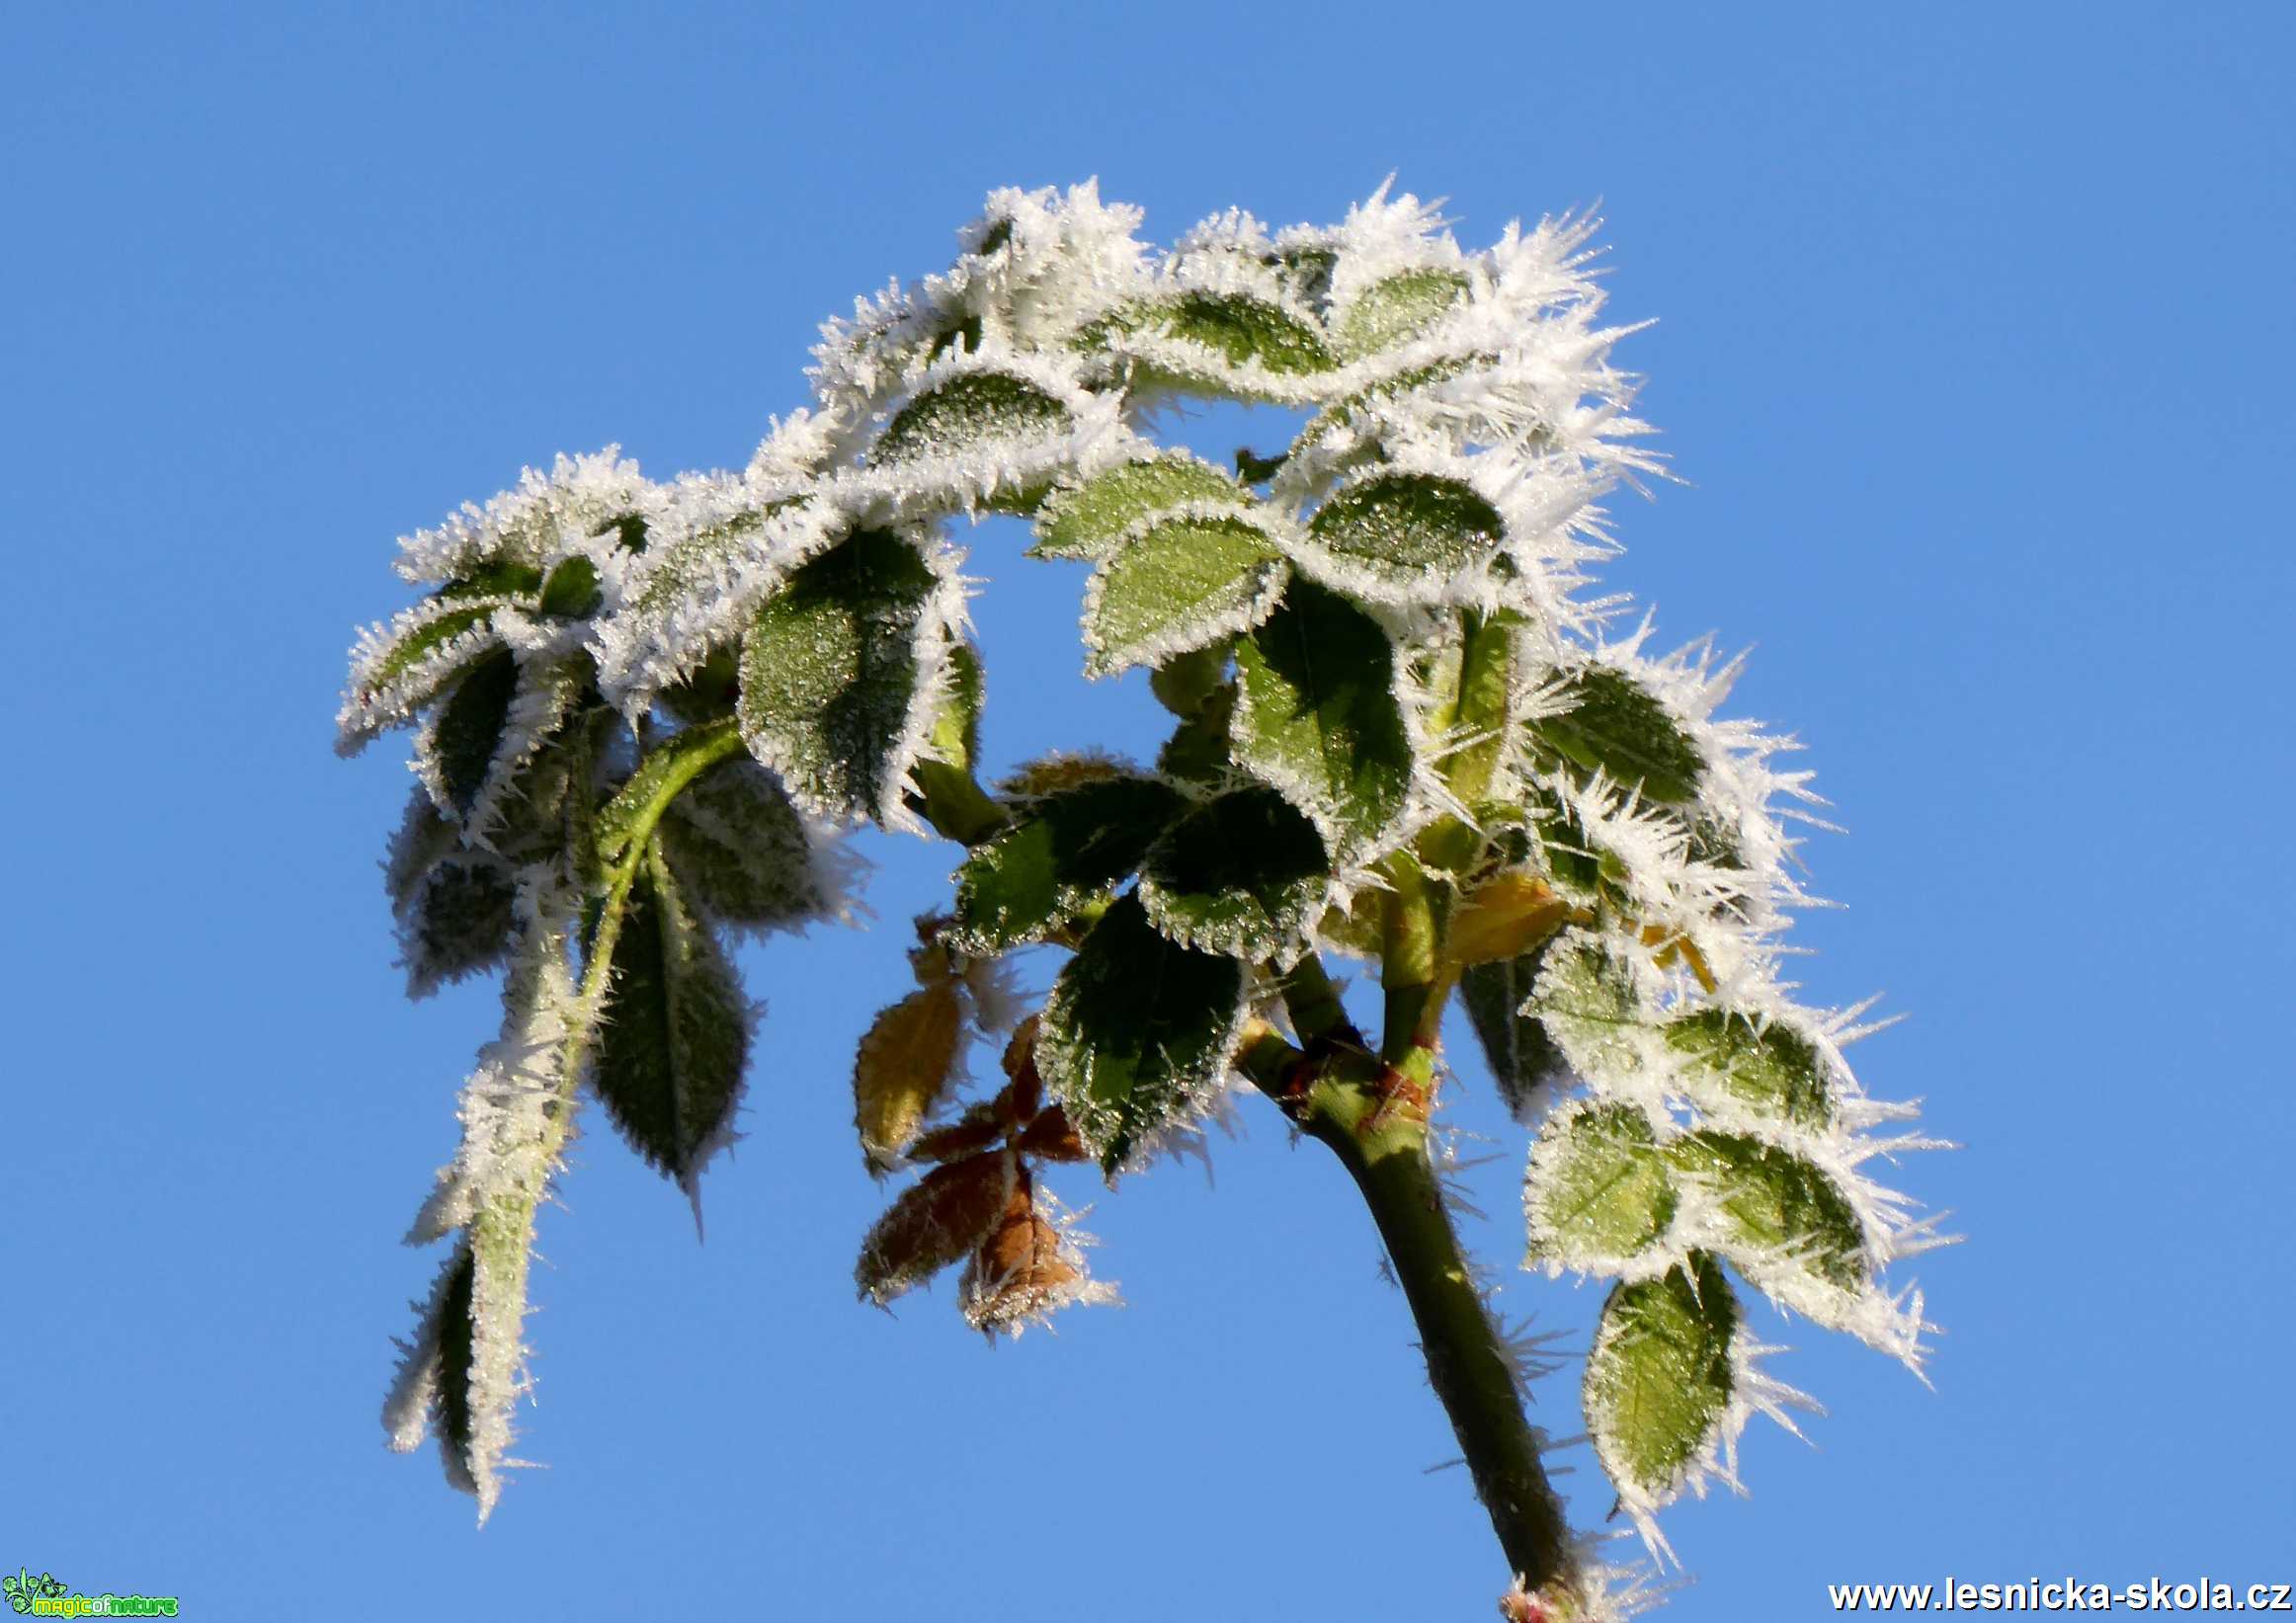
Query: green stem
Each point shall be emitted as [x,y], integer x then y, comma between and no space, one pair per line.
[952,800]
[1313,1003]
[1384,1150]
[1408,969]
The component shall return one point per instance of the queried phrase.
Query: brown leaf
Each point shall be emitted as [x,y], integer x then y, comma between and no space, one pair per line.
[902,1070]
[1023,1270]
[1052,1137]
[949,1211]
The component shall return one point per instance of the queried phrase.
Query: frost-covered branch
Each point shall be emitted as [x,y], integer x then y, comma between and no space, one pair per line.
[1406,730]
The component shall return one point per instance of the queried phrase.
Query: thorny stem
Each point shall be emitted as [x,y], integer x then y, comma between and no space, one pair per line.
[1374,1116]
[1372,1111]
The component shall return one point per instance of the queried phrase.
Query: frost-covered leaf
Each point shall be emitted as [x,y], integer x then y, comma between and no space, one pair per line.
[1577,864]
[903,1069]
[1085,519]
[1774,1206]
[1317,717]
[938,1221]
[1183,585]
[572,588]
[1406,534]
[460,745]
[1523,1058]
[529,526]
[966,411]
[453,904]
[675,1033]
[1138,1032]
[495,720]
[1768,1067]
[430,1392]
[831,675]
[1397,308]
[1588,1001]
[1599,1187]
[1661,1381]
[1218,340]
[1061,854]
[396,670]
[742,851]
[1617,726]
[1242,875]
[1024,1272]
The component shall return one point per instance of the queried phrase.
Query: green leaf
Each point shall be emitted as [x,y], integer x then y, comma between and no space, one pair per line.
[1397,309]
[1317,717]
[1523,1058]
[1237,329]
[453,905]
[1243,330]
[1407,530]
[1598,1188]
[461,744]
[1137,1033]
[1618,727]
[1186,584]
[1084,520]
[830,674]
[1774,1071]
[1243,875]
[1660,1382]
[423,639]
[1062,854]
[1771,1202]
[674,1036]
[965,411]
[1589,1002]
[741,851]
[572,589]
[1575,865]
[497,582]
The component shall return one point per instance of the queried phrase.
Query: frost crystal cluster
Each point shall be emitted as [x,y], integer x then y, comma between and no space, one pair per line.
[1404,730]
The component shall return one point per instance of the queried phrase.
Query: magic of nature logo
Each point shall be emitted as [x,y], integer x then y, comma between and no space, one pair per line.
[49,1596]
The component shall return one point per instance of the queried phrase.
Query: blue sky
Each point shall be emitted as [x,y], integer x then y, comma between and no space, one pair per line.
[1973,353]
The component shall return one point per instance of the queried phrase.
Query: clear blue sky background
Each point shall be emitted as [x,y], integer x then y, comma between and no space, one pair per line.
[1975,350]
